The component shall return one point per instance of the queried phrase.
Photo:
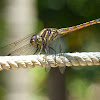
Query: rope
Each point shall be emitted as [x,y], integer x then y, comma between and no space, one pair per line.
[68,59]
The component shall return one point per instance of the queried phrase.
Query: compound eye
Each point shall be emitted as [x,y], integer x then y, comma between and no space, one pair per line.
[34,37]
[32,40]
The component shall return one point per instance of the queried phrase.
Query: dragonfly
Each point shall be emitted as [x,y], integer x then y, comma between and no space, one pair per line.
[42,40]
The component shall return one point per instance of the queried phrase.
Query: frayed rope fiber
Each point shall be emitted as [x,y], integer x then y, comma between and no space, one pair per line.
[68,59]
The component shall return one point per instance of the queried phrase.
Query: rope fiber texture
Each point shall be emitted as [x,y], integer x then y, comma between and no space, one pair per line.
[64,59]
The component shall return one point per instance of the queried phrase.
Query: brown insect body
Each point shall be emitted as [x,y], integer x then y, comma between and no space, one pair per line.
[45,37]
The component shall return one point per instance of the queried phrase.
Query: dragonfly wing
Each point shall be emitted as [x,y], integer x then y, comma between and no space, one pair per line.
[62,69]
[15,45]
[47,67]
[24,50]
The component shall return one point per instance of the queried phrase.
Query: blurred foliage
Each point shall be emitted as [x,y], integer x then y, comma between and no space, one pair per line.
[2,37]
[86,8]
[2,21]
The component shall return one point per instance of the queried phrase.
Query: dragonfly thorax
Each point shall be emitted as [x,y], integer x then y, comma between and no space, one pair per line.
[36,41]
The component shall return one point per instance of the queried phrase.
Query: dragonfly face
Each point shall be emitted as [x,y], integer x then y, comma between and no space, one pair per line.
[36,41]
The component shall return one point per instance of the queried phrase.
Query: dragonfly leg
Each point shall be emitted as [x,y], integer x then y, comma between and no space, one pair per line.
[41,49]
[36,51]
[46,50]
[54,51]
[47,67]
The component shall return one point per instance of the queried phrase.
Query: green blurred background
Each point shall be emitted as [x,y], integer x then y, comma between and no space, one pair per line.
[81,84]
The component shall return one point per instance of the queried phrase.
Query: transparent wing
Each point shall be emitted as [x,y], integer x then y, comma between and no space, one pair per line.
[57,46]
[15,45]
[24,50]
[62,69]
[47,67]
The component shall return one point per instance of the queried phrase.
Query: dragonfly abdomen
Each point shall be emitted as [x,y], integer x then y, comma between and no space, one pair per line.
[64,31]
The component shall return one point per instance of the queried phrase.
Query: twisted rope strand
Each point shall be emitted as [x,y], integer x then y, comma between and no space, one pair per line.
[68,59]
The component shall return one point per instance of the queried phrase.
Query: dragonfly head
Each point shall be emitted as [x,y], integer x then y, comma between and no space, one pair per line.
[36,40]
